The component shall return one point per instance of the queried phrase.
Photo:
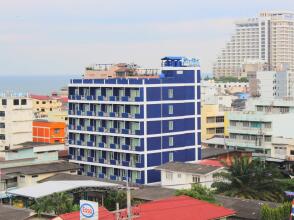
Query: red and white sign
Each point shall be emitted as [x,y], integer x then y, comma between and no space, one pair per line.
[88,210]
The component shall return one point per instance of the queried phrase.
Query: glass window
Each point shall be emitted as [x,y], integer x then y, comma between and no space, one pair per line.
[171,156]
[170,109]
[4,101]
[170,93]
[196,179]
[170,125]
[43,102]
[2,136]
[171,141]
[15,102]
[168,175]
[23,102]
[56,130]
[2,113]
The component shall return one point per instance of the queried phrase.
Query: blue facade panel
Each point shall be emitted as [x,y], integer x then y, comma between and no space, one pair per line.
[153,143]
[181,140]
[153,159]
[153,176]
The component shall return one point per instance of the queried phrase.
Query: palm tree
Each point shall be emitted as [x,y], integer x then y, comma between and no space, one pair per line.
[250,179]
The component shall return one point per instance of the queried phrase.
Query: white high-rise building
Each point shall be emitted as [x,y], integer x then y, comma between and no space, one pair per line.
[16,117]
[268,38]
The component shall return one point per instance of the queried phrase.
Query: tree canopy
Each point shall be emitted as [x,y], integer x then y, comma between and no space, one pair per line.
[250,179]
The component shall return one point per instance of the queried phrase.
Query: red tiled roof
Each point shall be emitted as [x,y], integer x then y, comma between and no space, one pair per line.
[214,163]
[104,214]
[181,207]
[40,97]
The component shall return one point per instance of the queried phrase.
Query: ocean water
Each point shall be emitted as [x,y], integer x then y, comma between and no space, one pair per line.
[34,84]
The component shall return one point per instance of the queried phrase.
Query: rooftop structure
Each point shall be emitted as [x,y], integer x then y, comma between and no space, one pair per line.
[120,127]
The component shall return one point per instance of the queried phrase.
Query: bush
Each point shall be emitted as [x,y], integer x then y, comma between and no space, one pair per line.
[279,213]
[198,191]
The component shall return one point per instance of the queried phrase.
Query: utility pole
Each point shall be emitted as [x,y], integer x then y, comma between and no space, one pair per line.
[129,211]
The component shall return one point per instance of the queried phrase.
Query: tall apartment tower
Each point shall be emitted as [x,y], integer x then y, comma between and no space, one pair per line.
[268,38]
[16,117]
[125,121]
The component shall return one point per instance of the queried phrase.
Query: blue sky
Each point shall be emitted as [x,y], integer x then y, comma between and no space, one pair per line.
[63,36]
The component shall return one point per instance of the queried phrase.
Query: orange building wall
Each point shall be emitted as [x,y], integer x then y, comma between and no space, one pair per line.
[47,132]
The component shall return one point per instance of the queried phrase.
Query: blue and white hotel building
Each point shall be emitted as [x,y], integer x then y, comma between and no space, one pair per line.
[123,127]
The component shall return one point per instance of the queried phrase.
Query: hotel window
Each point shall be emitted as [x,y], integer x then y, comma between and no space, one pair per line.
[170,125]
[170,93]
[2,113]
[171,141]
[170,109]
[195,179]
[170,156]
[4,101]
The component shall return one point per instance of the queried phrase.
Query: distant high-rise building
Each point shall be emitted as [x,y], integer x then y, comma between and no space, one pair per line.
[16,116]
[268,38]
[125,121]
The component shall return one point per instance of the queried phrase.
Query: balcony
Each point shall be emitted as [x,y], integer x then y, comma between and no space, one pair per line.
[113,177]
[101,129]
[139,165]
[125,115]
[125,131]
[112,130]
[125,147]
[101,175]
[101,160]
[139,148]
[113,146]
[101,98]
[90,159]
[90,144]
[90,128]
[113,162]
[126,163]
[101,114]
[89,113]
[125,98]
[101,144]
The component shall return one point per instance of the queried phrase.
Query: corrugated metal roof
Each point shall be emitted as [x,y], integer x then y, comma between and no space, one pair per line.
[50,187]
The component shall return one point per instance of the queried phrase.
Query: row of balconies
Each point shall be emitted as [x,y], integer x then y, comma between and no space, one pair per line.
[106,130]
[114,162]
[107,98]
[105,114]
[123,146]
[112,177]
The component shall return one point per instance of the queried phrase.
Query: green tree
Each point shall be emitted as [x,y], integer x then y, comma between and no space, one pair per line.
[114,197]
[198,191]
[250,179]
[279,213]
[57,203]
